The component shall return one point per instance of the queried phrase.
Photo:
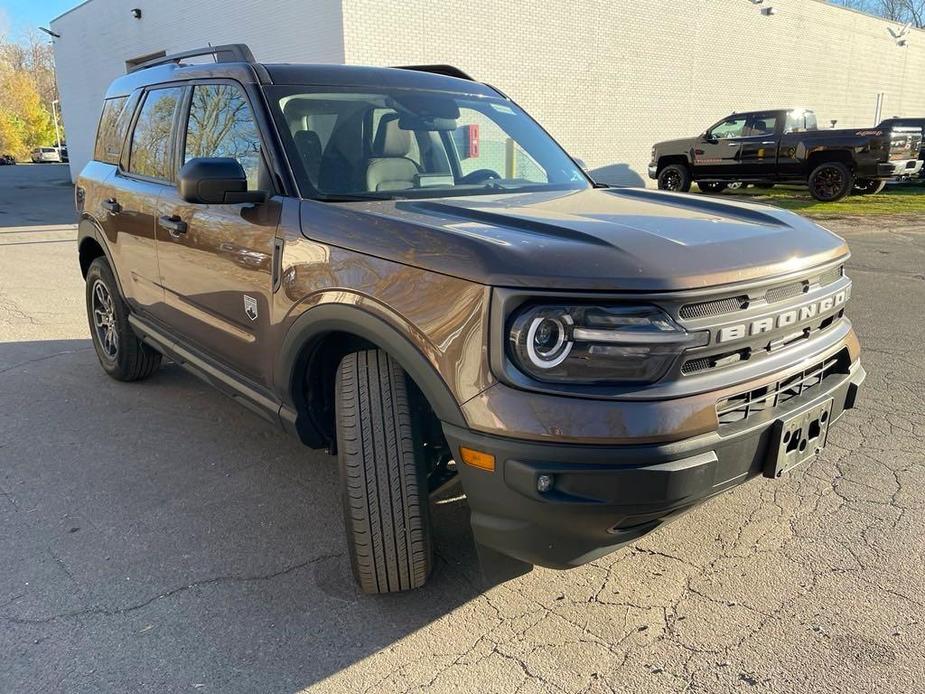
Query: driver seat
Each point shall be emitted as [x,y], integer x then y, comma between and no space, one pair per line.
[390,168]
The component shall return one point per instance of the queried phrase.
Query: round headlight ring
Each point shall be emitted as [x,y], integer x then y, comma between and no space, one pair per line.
[558,353]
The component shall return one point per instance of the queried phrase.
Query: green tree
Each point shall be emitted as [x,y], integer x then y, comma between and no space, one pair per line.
[27,89]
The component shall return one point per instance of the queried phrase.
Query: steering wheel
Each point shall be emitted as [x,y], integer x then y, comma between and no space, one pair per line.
[479,176]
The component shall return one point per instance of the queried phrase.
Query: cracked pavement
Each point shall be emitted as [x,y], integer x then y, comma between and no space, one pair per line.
[159,537]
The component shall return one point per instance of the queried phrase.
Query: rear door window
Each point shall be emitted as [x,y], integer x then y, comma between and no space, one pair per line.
[221,124]
[761,124]
[149,154]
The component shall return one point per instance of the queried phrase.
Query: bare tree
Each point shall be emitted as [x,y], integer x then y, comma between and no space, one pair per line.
[900,11]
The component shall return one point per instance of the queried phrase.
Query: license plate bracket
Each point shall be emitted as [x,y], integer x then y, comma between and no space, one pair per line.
[798,437]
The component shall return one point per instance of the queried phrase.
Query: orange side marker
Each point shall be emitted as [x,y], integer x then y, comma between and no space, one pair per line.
[483,461]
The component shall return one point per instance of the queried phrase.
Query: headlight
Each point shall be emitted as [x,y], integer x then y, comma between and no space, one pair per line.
[593,344]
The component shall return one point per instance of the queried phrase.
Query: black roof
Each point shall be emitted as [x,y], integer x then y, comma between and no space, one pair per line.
[299,74]
[913,122]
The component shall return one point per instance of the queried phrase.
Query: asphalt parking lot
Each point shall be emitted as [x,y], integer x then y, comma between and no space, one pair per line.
[158,537]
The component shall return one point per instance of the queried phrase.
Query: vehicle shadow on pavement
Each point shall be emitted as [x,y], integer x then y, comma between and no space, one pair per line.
[157,535]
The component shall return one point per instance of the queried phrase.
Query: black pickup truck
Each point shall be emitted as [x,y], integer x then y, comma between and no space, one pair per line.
[784,145]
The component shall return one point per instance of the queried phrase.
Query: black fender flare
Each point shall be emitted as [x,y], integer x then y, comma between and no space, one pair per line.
[89,228]
[317,322]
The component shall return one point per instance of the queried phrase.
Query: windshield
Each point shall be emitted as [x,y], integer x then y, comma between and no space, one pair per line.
[358,144]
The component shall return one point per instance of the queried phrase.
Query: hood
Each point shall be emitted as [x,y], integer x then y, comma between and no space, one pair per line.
[676,145]
[596,239]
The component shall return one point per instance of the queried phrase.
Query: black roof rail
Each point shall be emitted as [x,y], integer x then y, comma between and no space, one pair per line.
[226,53]
[446,70]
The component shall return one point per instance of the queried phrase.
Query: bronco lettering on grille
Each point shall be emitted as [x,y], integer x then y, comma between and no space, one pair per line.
[784,318]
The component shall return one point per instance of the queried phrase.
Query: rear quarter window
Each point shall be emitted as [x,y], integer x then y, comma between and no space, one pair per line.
[114,124]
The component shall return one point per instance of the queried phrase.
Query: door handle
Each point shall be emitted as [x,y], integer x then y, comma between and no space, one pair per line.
[112,206]
[175,225]
[769,142]
[732,144]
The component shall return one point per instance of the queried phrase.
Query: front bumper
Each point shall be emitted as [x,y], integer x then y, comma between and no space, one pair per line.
[606,496]
[905,168]
[653,171]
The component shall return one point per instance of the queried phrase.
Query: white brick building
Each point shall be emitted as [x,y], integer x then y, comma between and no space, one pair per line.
[607,78]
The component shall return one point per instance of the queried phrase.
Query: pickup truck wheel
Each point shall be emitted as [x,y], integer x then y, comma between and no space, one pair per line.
[122,355]
[867,186]
[383,482]
[830,182]
[711,187]
[675,177]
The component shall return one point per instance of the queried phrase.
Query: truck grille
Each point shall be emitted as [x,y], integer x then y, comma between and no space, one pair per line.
[728,305]
[741,406]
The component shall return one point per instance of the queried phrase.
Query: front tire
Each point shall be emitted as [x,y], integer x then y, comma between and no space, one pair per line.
[867,186]
[122,355]
[830,182]
[675,177]
[383,482]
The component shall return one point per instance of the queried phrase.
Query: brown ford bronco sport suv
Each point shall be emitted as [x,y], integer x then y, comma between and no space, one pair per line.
[399,265]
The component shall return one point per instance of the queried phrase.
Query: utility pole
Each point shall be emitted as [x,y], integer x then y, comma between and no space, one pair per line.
[54,113]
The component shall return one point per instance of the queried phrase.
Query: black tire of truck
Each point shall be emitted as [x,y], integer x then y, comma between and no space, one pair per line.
[712,187]
[830,182]
[122,354]
[867,186]
[675,177]
[384,486]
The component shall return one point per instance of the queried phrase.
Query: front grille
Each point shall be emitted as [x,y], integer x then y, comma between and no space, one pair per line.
[717,307]
[787,291]
[741,406]
[733,304]
[830,276]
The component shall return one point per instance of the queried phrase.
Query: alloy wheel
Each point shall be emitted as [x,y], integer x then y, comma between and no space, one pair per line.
[104,319]
[828,183]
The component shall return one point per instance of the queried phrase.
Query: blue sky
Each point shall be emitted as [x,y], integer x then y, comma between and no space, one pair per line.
[18,16]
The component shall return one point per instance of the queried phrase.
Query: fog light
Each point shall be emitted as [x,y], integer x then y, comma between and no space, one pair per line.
[544,483]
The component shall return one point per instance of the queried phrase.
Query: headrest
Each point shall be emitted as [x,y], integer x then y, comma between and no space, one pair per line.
[391,141]
[308,143]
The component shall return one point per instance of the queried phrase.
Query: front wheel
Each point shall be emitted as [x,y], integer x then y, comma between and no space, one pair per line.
[830,182]
[122,355]
[675,177]
[867,186]
[384,485]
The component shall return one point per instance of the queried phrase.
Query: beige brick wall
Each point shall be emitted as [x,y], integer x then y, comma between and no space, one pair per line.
[99,36]
[608,78]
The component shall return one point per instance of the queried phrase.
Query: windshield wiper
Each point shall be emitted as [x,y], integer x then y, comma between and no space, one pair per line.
[354,197]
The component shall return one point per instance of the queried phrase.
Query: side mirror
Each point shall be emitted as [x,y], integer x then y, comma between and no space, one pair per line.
[215,181]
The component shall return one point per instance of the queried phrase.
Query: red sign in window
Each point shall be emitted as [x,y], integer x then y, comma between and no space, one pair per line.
[473,139]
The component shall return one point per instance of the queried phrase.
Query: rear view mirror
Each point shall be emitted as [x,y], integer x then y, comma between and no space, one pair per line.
[215,181]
